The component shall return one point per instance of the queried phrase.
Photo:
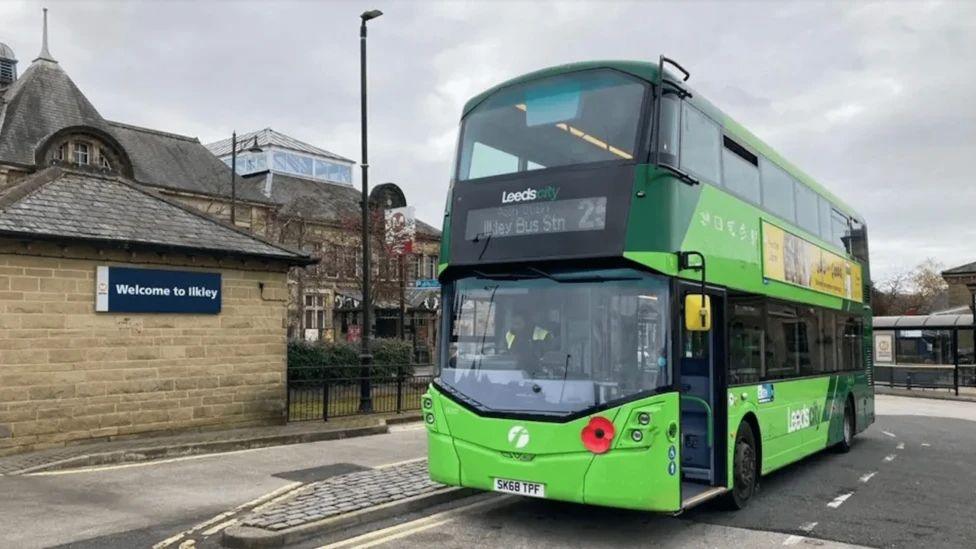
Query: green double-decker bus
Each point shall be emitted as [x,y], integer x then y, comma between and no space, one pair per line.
[644,306]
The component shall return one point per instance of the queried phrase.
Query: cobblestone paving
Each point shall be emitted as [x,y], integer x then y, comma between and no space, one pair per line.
[18,463]
[345,494]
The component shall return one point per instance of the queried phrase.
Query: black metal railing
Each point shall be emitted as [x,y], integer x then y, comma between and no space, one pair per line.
[324,392]
[948,376]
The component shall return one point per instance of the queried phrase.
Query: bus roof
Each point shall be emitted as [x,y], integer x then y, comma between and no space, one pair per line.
[648,72]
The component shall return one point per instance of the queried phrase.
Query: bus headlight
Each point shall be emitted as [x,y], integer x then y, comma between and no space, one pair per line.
[644,418]
[428,403]
[636,435]
[429,418]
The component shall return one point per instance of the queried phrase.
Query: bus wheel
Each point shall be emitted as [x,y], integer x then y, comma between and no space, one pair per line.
[743,468]
[845,443]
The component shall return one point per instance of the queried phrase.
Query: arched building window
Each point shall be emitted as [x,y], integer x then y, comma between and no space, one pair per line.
[86,148]
[81,153]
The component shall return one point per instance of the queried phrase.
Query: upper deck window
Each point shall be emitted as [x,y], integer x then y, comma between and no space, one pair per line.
[701,144]
[777,191]
[807,208]
[579,118]
[740,171]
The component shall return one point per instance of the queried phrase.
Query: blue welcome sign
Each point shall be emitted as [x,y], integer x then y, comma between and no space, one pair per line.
[130,290]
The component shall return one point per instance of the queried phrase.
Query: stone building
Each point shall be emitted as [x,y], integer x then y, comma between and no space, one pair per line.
[75,365]
[197,342]
[46,120]
[962,286]
[314,206]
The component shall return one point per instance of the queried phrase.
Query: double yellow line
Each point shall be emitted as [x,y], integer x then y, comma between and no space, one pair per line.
[400,531]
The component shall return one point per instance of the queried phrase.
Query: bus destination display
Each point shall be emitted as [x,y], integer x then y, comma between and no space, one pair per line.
[549,217]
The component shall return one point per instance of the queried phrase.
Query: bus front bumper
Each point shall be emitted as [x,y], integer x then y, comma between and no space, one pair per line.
[469,450]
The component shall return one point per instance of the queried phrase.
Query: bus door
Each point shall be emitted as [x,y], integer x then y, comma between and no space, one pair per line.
[701,382]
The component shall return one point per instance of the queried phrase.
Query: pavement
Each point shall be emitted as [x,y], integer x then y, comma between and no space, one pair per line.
[908,482]
[142,504]
[144,448]
[965,393]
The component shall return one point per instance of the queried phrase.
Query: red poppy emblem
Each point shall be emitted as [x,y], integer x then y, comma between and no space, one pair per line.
[598,434]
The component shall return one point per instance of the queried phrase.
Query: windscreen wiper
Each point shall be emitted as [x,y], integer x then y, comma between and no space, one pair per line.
[485,247]
[461,396]
[680,174]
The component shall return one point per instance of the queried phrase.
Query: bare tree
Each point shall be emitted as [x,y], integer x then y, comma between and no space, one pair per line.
[918,291]
[389,273]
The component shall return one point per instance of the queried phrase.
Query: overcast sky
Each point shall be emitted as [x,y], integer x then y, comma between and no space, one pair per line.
[876,101]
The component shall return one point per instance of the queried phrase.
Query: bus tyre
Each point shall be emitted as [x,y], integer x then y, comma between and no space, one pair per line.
[744,469]
[847,439]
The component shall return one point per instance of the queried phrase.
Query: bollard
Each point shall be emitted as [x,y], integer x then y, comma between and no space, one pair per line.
[908,381]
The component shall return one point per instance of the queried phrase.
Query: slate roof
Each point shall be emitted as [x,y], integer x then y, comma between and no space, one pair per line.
[268,137]
[42,101]
[176,162]
[57,203]
[969,268]
[45,99]
[317,200]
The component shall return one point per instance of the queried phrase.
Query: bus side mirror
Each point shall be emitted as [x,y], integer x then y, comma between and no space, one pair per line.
[698,313]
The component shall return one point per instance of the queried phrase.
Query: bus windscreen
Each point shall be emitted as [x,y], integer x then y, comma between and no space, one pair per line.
[582,118]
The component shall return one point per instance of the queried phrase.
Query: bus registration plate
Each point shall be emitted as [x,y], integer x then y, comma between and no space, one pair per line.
[520,487]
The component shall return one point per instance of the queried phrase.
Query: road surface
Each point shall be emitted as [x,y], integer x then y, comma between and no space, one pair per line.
[910,481]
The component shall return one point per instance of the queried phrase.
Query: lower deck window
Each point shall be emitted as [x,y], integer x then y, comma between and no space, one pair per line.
[770,340]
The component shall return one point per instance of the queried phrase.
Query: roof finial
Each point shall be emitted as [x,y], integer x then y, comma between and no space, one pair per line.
[45,54]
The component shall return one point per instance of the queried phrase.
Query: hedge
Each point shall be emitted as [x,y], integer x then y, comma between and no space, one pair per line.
[315,361]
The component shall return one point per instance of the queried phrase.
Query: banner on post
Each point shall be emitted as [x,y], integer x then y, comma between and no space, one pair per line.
[401,227]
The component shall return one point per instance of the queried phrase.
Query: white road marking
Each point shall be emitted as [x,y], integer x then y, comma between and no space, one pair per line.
[415,426]
[839,500]
[255,503]
[925,445]
[99,468]
[399,531]
[218,528]
[890,457]
[399,535]
[404,462]
[886,433]
[901,446]
[169,541]
[793,540]
[266,497]
[867,477]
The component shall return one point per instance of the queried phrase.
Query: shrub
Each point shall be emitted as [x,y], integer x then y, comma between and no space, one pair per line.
[317,361]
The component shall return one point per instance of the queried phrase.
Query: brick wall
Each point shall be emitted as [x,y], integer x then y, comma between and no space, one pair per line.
[69,374]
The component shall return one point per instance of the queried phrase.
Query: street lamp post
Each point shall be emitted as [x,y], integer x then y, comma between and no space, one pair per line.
[365,357]
[233,173]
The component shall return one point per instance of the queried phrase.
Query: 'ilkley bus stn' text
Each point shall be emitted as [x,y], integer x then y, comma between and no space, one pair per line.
[560,216]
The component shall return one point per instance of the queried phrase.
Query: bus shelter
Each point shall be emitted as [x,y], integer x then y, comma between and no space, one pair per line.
[933,351]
